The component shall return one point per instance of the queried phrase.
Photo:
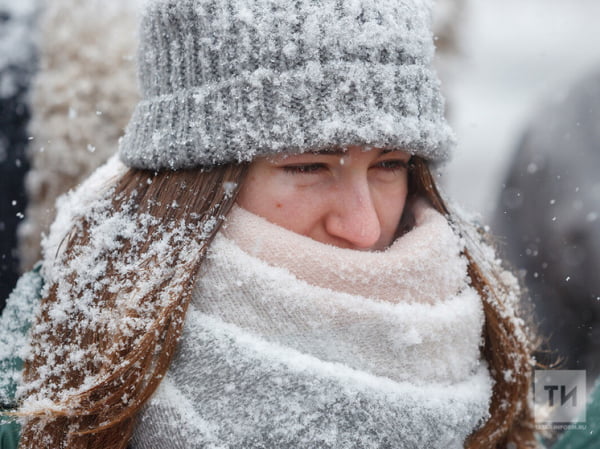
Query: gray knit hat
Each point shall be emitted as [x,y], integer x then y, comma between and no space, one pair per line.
[226,80]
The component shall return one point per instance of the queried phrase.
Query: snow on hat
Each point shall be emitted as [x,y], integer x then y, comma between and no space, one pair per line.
[227,80]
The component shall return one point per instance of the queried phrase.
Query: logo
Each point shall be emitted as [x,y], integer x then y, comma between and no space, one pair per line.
[559,397]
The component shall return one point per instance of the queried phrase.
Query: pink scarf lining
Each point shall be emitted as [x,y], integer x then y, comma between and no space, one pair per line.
[423,265]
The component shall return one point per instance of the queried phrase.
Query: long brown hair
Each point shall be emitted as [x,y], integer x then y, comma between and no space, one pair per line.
[507,345]
[102,415]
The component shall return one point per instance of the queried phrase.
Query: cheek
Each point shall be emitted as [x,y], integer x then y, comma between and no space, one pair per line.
[260,198]
[391,207]
[279,202]
[294,209]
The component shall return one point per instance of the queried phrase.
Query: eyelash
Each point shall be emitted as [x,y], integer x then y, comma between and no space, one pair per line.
[393,165]
[303,169]
[389,165]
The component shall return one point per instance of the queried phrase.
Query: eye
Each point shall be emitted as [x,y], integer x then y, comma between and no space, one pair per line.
[392,165]
[304,168]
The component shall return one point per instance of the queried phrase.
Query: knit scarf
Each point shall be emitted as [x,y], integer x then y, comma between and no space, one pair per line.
[292,343]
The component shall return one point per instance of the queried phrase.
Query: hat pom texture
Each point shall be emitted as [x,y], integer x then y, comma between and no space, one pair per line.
[227,80]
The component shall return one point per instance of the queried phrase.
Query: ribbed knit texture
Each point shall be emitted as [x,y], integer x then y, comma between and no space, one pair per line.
[226,80]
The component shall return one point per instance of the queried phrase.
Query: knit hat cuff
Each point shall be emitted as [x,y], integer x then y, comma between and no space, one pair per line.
[308,108]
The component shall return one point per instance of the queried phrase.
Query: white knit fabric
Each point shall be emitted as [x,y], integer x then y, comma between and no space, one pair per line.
[280,350]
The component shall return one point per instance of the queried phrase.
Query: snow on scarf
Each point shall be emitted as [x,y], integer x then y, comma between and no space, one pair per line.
[293,343]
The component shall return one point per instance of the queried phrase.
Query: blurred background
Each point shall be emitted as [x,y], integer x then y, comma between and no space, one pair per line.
[522,78]
[514,57]
[523,86]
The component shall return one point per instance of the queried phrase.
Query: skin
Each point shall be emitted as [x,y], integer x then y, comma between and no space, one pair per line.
[349,198]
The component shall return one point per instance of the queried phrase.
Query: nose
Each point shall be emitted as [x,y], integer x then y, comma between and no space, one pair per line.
[353,220]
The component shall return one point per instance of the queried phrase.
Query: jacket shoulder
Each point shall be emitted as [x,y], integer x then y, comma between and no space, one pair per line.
[17,317]
[589,435]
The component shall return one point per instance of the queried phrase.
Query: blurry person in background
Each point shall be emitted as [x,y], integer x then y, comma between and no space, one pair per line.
[17,64]
[549,215]
[81,99]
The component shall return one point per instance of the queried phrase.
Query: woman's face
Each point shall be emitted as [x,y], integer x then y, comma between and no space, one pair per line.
[350,199]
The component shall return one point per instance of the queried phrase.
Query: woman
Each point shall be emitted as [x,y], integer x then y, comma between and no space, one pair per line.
[276,267]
